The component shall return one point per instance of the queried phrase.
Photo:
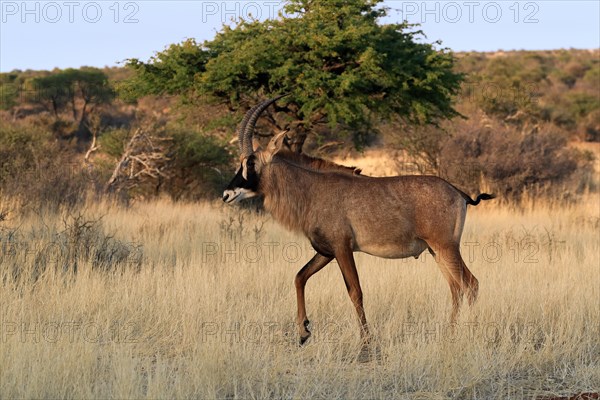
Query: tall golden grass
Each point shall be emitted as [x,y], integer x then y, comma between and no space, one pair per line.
[171,300]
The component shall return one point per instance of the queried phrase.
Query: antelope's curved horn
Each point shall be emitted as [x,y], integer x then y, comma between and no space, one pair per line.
[242,126]
[250,118]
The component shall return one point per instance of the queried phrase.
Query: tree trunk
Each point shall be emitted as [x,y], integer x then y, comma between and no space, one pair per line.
[296,132]
[54,108]
[83,133]
[297,138]
[73,108]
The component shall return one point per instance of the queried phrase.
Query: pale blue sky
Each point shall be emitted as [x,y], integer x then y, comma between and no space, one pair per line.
[73,33]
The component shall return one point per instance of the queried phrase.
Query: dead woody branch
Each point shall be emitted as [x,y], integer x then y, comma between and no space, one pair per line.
[144,162]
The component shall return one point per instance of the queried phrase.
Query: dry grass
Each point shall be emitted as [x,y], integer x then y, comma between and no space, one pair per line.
[167,303]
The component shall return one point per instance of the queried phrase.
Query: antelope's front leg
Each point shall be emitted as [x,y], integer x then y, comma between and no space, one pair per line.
[312,267]
[345,260]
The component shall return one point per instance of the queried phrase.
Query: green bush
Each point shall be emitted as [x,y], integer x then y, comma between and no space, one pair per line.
[200,166]
[113,141]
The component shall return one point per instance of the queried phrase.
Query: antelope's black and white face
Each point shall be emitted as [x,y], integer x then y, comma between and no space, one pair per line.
[245,183]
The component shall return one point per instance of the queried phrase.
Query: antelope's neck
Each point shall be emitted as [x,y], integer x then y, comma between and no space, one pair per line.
[286,189]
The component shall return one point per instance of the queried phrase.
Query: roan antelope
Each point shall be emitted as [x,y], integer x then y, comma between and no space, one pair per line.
[341,211]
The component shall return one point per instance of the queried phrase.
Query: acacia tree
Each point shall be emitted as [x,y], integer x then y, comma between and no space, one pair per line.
[50,91]
[76,91]
[340,65]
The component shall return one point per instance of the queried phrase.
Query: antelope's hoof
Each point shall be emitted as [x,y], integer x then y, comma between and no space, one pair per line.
[304,336]
[364,356]
[368,353]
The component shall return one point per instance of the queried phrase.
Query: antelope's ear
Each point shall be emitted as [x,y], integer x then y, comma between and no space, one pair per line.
[255,144]
[278,142]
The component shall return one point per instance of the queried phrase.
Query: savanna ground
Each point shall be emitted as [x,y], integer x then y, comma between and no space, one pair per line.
[175,300]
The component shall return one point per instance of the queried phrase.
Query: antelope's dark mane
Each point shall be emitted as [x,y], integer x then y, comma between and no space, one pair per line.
[316,164]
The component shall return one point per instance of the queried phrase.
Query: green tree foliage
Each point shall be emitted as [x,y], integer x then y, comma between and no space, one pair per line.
[170,72]
[341,66]
[9,90]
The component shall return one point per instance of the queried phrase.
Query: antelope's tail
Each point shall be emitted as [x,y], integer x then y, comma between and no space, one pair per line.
[482,196]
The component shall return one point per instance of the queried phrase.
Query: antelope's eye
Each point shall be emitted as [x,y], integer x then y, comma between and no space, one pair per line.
[248,168]
[251,161]
[251,165]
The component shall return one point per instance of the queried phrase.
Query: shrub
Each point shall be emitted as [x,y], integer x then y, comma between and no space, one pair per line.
[113,141]
[198,166]
[509,161]
[35,168]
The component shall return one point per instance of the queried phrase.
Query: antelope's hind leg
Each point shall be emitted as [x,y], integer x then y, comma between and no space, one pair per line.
[459,278]
[312,267]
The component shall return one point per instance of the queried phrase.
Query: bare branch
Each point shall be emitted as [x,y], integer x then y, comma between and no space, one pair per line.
[145,158]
